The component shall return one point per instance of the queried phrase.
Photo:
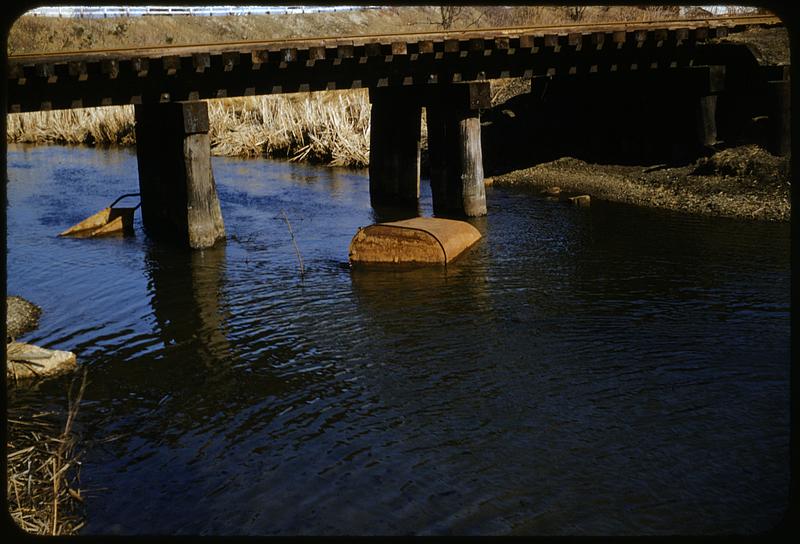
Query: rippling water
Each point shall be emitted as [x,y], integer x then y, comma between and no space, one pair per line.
[605,371]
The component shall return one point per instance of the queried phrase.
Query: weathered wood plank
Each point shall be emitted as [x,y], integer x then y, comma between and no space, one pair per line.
[141,66]
[201,61]
[316,53]
[47,70]
[109,68]
[451,46]
[171,64]
[394,153]
[779,113]
[176,183]
[230,60]
[78,69]
[345,51]
[527,41]
[289,54]
[373,49]
[399,48]
[425,47]
[476,45]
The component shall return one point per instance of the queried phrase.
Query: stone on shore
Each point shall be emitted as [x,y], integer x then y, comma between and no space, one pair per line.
[552,191]
[580,201]
[22,316]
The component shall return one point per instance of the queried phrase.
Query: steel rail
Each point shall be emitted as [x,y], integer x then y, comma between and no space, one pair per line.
[164,50]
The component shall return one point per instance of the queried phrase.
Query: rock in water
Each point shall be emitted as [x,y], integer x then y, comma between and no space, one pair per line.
[580,201]
[21,316]
[552,191]
[28,361]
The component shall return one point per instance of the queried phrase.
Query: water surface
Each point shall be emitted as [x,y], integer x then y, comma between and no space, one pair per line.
[611,370]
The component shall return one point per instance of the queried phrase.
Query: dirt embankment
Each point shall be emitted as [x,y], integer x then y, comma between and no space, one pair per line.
[45,34]
[744,182]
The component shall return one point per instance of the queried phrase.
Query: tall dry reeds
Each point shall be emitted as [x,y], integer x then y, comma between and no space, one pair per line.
[110,125]
[330,127]
[42,487]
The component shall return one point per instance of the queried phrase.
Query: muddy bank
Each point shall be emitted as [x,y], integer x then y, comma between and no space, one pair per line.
[744,182]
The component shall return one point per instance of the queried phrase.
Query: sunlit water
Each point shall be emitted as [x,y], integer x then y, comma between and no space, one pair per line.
[611,370]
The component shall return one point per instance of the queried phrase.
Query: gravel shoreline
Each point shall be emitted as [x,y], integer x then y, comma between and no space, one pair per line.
[744,183]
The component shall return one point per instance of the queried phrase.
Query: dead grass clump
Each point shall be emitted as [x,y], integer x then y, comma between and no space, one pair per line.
[43,471]
[743,161]
[110,125]
[330,127]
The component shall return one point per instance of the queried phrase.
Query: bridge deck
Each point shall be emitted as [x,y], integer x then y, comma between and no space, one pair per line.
[165,74]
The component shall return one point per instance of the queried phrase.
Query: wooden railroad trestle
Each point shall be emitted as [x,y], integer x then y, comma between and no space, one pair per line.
[444,72]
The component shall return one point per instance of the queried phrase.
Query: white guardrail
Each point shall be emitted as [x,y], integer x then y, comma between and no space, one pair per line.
[139,11]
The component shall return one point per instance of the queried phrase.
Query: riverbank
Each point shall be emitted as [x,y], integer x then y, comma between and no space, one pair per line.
[46,34]
[743,182]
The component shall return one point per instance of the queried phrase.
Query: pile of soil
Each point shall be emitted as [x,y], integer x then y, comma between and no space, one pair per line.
[768,45]
[744,182]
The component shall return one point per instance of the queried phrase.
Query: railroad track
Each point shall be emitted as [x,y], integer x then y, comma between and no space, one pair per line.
[726,22]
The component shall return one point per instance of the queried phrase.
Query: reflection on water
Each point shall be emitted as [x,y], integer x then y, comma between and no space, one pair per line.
[608,370]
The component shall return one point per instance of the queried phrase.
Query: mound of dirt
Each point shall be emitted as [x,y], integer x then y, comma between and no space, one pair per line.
[744,182]
[748,160]
[768,45]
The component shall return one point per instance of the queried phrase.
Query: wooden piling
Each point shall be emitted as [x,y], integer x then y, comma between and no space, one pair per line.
[779,100]
[706,117]
[394,151]
[473,193]
[178,192]
[454,148]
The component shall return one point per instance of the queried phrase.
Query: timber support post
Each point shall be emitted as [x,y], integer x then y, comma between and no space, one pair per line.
[178,192]
[454,147]
[394,147]
[711,83]
[779,100]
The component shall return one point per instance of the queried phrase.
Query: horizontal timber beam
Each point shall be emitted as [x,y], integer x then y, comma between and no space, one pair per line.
[158,75]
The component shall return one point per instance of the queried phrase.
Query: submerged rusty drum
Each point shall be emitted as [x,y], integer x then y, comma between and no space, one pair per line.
[422,240]
[107,221]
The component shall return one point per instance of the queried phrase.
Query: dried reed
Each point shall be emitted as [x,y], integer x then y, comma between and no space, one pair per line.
[98,126]
[43,470]
[330,127]
[294,242]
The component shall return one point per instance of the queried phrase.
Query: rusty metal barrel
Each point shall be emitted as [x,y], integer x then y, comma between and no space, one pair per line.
[417,241]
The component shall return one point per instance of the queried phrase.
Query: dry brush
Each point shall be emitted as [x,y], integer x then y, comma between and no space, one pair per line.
[329,127]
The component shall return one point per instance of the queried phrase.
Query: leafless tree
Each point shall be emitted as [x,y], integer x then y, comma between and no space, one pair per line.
[575,12]
[448,15]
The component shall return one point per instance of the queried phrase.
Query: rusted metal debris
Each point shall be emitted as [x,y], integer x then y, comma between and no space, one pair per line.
[422,240]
